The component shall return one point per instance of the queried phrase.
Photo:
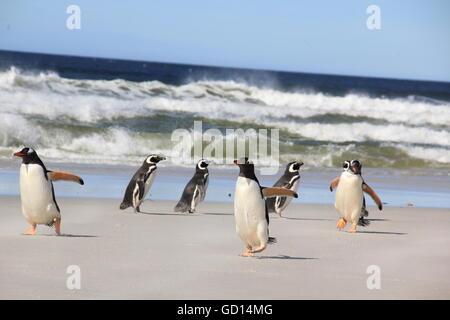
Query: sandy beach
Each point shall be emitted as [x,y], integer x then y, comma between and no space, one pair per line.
[162,255]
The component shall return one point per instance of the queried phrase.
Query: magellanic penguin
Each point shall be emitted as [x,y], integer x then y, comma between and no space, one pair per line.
[37,195]
[250,209]
[289,180]
[350,200]
[195,190]
[141,183]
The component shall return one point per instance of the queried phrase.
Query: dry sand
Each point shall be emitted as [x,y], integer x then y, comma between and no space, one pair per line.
[162,255]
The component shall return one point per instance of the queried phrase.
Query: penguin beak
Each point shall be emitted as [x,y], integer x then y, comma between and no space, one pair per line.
[300,163]
[356,170]
[19,154]
[161,158]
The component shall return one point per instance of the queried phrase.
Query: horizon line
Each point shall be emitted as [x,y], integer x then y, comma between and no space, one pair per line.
[227,67]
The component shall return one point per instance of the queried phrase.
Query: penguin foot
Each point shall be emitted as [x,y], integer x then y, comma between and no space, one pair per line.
[352,229]
[247,254]
[58,226]
[31,231]
[259,249]
[341,224]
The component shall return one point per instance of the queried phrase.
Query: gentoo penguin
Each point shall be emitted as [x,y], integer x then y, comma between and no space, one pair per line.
[350,200]
[250,209]
[37,195]
[195,190]
[289,180]
[140,183]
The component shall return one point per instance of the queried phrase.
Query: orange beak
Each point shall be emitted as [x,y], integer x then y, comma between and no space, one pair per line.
[18,154]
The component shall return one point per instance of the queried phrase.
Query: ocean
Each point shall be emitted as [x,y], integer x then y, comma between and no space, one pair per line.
[91,110]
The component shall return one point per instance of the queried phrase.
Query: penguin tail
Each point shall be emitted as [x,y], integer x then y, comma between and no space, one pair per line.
[181,207]
[124,205]
[272,240]
[363,222]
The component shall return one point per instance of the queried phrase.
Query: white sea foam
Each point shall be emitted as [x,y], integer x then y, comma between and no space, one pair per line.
[30,103]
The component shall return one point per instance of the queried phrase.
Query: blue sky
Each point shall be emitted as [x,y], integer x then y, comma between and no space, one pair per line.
[306,36]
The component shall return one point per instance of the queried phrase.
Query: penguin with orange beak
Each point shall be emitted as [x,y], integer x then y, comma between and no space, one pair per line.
[250,208]
[37,195]
[350,202]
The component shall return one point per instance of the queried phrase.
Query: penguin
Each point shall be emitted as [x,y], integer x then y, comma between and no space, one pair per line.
[195,190]
[141,183]
[350,202]
[289,180]
[250,208]
[37,194]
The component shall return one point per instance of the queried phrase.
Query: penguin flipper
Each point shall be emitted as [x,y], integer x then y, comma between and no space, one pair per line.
[334,183]
[372,193]
[64,176]
[276,191]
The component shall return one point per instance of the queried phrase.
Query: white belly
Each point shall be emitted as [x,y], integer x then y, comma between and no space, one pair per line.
[148,185]
[249,213]
[287,201]
[36,195]
[349,197]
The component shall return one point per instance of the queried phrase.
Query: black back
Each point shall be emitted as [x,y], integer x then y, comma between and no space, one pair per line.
[199,179]
[285,181]
[140,177]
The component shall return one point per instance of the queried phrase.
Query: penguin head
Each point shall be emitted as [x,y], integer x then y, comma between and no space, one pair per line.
[246,167]
[153,159]
[346,165]
[28,155]
[356,166]
[202,165]
[293,167]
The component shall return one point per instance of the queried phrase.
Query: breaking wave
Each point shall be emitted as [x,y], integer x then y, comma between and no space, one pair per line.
[120,121]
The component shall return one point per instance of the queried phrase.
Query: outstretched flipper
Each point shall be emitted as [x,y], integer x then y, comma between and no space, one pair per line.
[276,191]
[334,184]
[64,176]
[374,196]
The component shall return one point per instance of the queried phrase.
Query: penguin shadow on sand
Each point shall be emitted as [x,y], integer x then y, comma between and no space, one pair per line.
[169,214]
[218,214]
[65,235]
[303,219]
[284,257]
[68,235]
[382,232]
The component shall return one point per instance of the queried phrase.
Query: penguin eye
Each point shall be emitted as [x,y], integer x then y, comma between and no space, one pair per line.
[356,163]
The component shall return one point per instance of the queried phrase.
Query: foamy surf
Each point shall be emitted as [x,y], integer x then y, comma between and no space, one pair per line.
[120,121]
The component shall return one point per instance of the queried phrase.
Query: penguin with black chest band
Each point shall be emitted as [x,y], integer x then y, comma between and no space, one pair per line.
[141,183]
[350,202]
[195,190]
[289,180]
[250,209]
[37,194]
